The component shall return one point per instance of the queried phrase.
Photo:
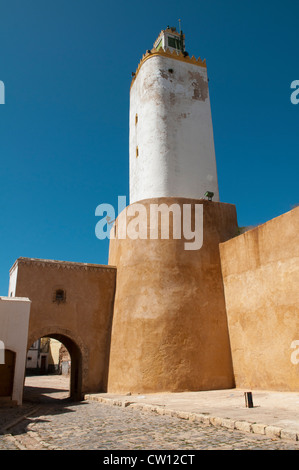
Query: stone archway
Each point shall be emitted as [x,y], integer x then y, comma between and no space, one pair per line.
[74,300]
[77,351]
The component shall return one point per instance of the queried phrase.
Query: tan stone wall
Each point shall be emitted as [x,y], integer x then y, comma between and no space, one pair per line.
[83,322]
[261,279]
[169,326]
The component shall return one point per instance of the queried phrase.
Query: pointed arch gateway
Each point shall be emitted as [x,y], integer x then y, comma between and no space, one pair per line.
[77,351]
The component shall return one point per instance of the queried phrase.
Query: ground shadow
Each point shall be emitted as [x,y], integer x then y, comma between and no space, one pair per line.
[38,403]
[38,414]
[45,395]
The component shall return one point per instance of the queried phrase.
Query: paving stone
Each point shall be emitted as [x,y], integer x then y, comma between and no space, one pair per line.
[243,426]
[258,428]
[273,431]
[100,423]
[288,434]
[228,423]
[95,425]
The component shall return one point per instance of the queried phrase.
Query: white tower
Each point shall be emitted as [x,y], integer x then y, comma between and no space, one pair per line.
[171,135]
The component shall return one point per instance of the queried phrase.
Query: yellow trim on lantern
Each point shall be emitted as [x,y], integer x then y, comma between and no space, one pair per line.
[171,55]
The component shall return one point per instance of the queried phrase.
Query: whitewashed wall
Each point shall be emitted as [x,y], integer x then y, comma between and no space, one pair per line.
[173,133]
[14,322]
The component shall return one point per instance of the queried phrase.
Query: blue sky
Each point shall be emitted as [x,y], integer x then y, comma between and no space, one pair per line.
[67,65]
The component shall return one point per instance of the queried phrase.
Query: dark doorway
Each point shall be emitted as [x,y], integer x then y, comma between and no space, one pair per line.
[7,372]
[43,365]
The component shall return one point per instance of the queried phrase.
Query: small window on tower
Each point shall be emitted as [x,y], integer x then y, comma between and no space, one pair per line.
[137,152]
[136,118]
[59,296]
[173,42]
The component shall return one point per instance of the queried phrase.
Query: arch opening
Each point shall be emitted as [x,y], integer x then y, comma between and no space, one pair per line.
[53,369]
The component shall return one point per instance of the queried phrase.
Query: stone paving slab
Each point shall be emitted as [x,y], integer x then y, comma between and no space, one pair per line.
[91,425]
[49,420]
[274,414]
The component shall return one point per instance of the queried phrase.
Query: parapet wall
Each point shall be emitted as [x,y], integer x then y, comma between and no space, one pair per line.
[261,281]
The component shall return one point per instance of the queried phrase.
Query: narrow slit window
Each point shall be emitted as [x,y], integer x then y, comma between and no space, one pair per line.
[137,152]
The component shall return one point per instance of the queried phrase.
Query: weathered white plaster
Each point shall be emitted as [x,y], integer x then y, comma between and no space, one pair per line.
[171,126]
[13,275]
[14,322]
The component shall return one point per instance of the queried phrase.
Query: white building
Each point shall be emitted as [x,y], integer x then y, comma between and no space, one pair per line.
[14,322]
[171,135]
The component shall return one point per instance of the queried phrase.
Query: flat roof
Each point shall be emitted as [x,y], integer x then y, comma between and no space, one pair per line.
[60,263]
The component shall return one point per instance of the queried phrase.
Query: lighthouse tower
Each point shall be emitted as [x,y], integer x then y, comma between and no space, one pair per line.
[171,135]
[169,328]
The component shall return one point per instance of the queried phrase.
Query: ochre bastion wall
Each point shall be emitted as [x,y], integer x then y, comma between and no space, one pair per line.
[261,282]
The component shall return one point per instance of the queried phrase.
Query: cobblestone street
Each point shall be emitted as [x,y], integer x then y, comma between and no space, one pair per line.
[49,421]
